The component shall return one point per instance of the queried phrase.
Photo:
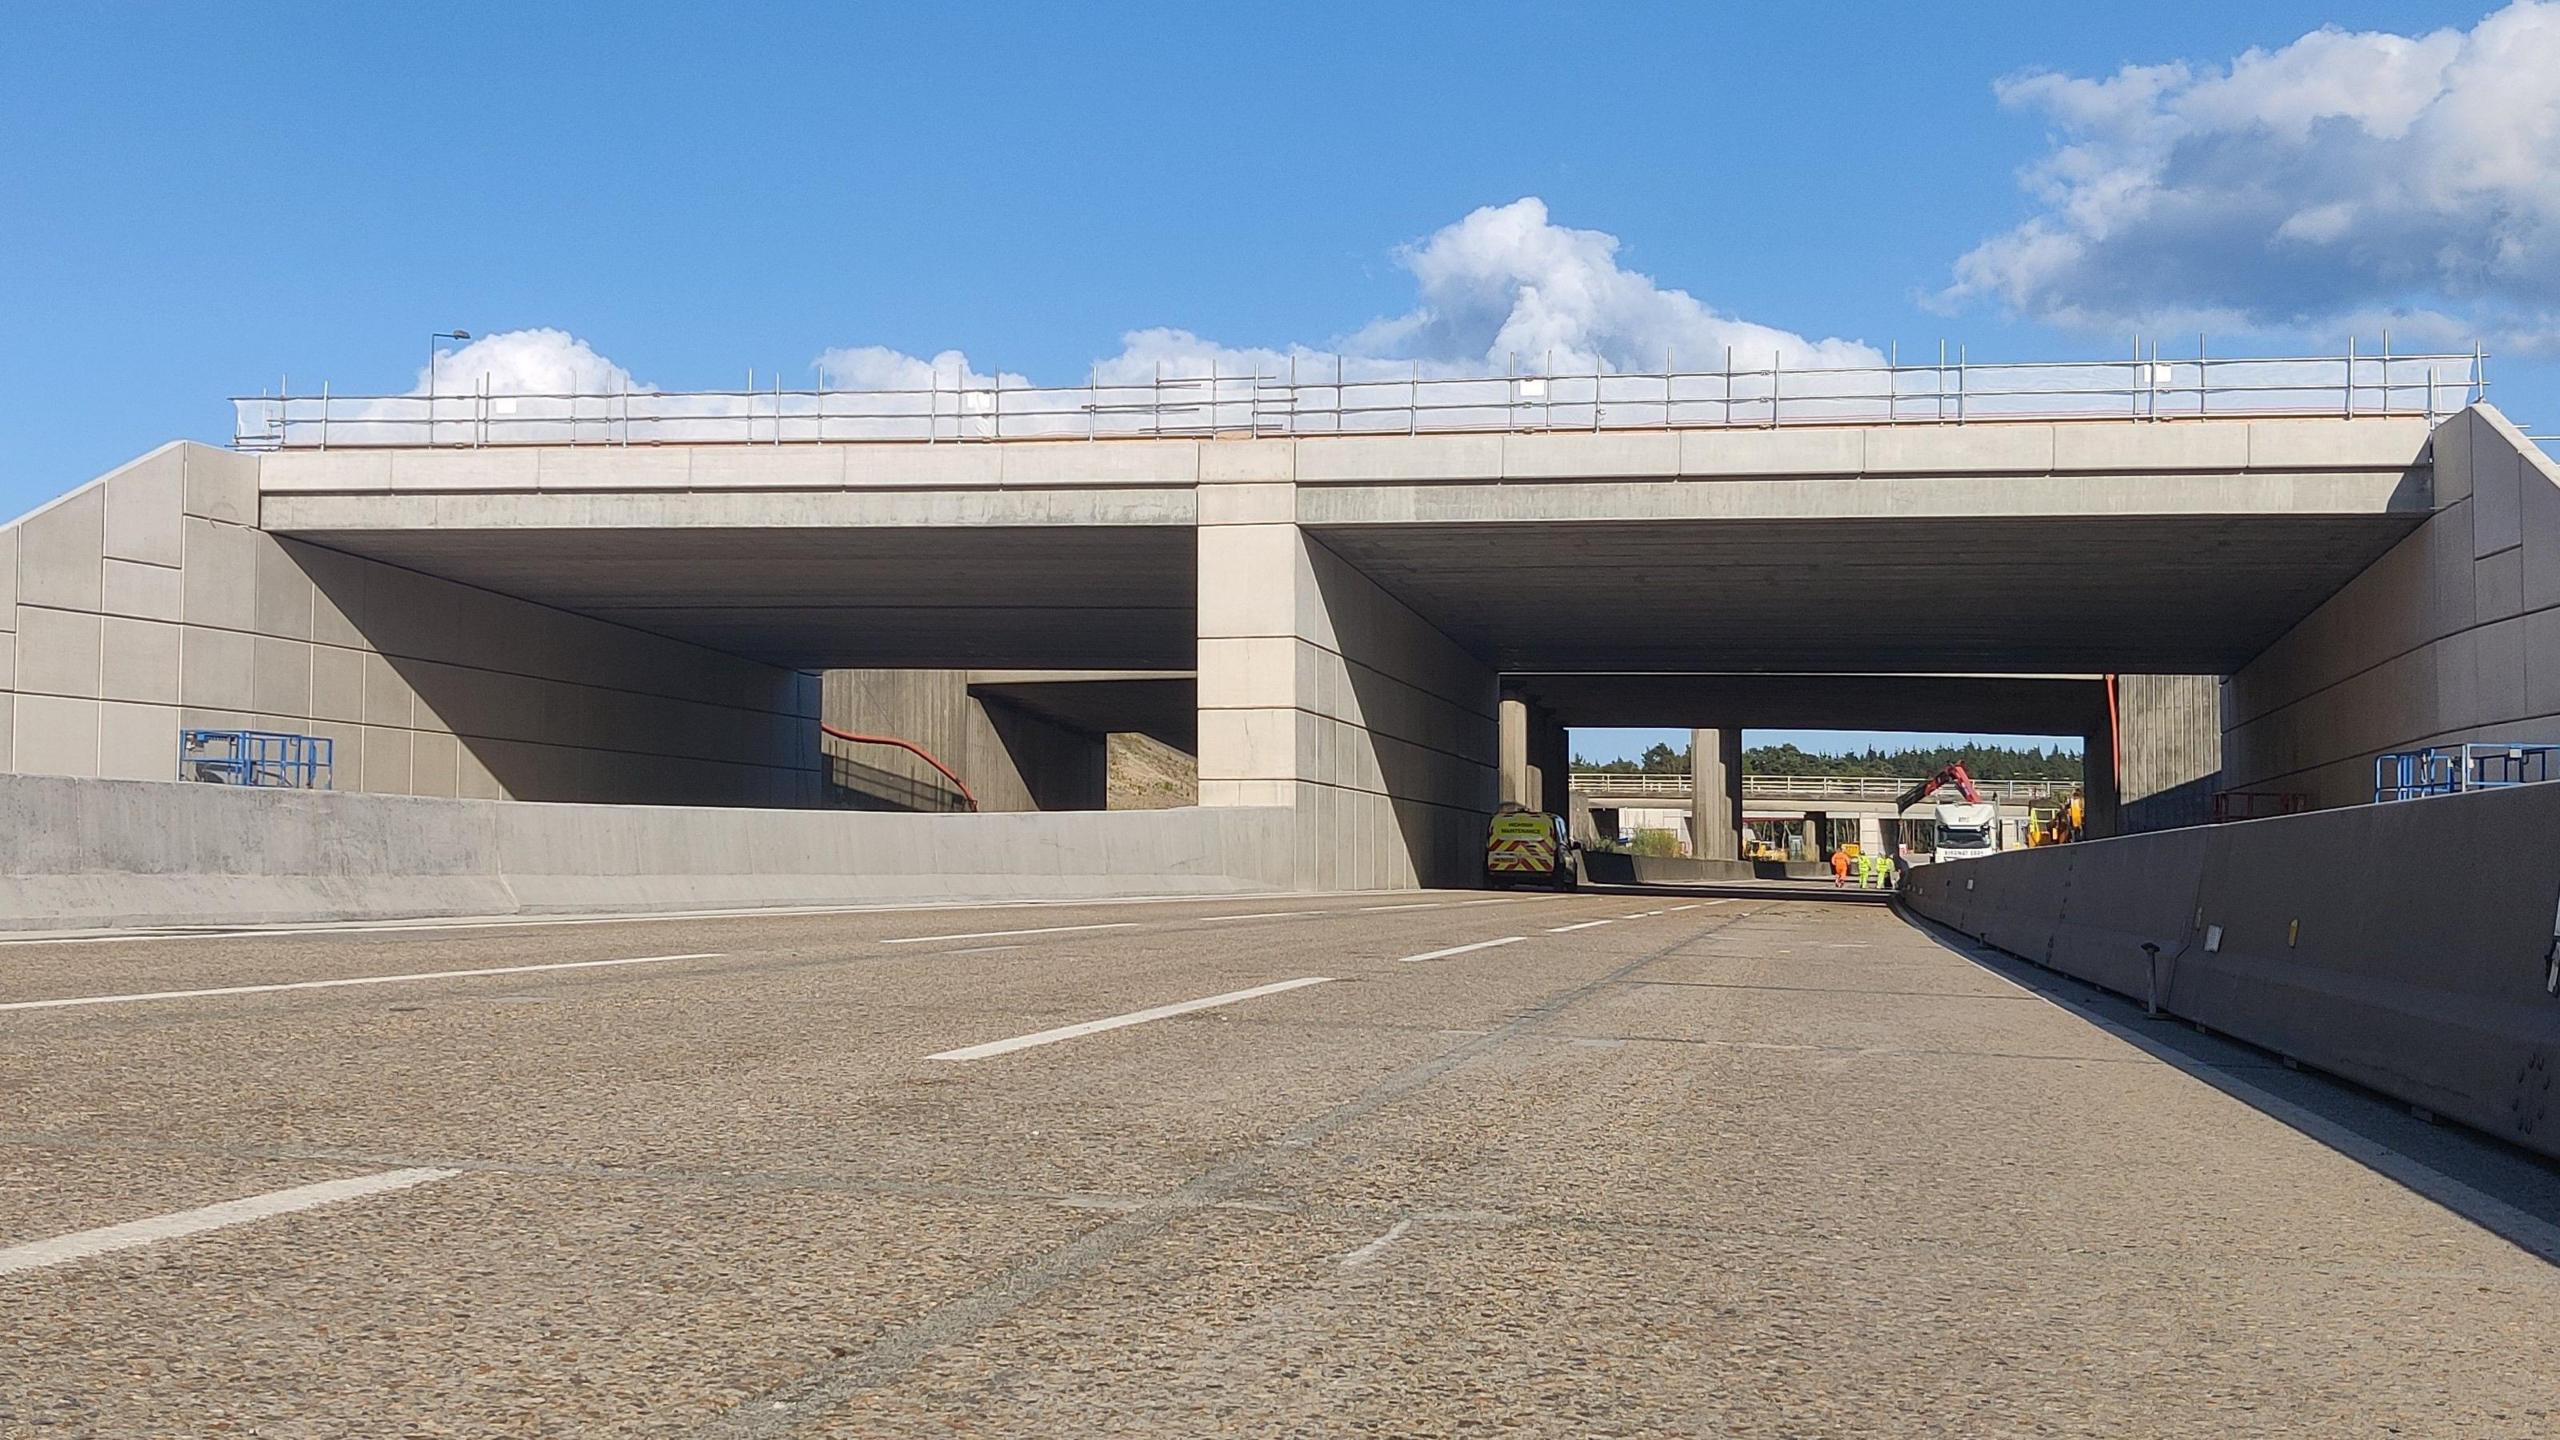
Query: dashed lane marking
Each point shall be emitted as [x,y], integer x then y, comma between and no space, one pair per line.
[63,1249]
[1001,934]
[1377,1247]
[1135,1017]
[1460,949]
[1585,925]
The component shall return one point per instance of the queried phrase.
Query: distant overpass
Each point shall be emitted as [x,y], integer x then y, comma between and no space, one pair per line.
[1806,789]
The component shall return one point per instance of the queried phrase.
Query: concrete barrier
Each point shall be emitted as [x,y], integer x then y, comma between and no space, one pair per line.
[1610,867]
[79,853]
[2405,947]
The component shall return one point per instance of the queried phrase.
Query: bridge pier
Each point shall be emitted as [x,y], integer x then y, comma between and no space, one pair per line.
[1536,756]
[1322,692]
[1715,794]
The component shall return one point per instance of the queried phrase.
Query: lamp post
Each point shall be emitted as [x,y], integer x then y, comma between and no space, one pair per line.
[431,376]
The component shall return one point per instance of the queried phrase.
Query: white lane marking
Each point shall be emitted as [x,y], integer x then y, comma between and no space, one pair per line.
[1000,934]
[351,980]
[1636,916]
[1460,949]
[62,1249]
[1134,1017]
[1585,925]
[1263,915]
[1505,900]
[1684,907]
[1375,1248]
[1376,909]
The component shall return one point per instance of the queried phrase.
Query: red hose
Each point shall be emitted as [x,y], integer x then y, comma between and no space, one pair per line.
[2115,736]
[911,748]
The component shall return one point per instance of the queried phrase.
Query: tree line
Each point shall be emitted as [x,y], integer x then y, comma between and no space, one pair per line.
[1983,762]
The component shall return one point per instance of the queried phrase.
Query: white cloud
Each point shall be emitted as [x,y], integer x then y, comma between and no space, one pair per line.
[877,367]
[525,362]
[1506,286]
[2345,177]
[1503,288]
[1507,282]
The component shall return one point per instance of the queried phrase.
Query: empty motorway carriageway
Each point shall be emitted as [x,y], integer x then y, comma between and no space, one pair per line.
[1660,1163]
[674,969]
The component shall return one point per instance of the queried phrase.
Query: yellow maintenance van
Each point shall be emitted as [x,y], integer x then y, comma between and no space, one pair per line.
[1528,847]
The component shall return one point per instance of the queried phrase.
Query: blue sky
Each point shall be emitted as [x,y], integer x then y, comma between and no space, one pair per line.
[201,199]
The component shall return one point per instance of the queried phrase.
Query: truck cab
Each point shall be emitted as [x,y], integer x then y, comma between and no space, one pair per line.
[1968,829]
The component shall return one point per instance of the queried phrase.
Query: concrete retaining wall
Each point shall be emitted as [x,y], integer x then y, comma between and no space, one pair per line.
[1012,760]
[2405,947]
[79,853]
[2453,636]
[1609,867]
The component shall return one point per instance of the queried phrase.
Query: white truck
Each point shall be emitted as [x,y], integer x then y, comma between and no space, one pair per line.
[1967,828]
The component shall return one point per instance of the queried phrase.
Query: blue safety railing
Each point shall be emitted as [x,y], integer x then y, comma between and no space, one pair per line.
[2453,769]
[273,759]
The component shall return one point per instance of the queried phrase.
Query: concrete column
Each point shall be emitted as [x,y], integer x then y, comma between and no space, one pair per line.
[2101,816]
[1715,794]
[1321,692]
[1519,776]
[1551,756]
[1813,850]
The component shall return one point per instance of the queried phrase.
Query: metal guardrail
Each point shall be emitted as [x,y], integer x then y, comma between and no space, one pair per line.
[1829,787]
[271,759]
[2453,769]
[1382,398]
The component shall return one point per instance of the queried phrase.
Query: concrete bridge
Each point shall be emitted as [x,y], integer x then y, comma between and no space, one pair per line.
[1383,633]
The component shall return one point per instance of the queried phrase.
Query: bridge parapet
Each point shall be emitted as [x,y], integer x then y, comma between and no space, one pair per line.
[1382,398]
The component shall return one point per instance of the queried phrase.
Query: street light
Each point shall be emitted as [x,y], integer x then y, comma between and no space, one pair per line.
[431,375]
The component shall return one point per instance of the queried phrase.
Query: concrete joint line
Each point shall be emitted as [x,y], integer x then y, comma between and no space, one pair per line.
[809,1399]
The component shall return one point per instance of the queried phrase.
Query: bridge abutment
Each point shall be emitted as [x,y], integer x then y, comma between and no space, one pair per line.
[152,601]
[2453,636]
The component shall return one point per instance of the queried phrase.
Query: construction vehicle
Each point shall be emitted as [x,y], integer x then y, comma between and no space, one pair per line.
[1967,828]
[1528,846]
[2056,821]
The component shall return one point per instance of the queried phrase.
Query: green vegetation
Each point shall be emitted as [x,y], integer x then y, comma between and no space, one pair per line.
[1983,762]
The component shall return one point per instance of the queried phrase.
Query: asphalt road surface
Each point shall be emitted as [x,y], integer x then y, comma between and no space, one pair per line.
[1714,1163]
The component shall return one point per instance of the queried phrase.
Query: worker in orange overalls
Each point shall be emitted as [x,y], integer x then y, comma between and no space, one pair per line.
[1840,868]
